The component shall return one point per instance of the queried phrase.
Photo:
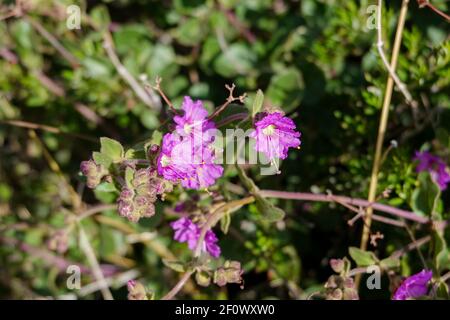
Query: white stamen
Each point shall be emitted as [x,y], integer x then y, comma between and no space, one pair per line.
[165,161]
[269,130]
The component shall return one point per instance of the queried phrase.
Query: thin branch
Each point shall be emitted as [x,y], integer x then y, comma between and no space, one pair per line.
[427,4]
[411,246]
[54,166]
[409,215]
[158,88]
[146,97]
[16,11]
[114,281]
[216,215]
[240,27]
[383,118]
[43,127]
[213,218]
[92,259]
[229,100]
[47,257]
[53,41]
[232,118]
[180,284]
[391,67]
[96,209]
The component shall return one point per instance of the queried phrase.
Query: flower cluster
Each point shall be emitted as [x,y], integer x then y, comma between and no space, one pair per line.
[187,154]
[137,199]
[414,286]
[230,272]
[188,231]
[435,166]
[274,135]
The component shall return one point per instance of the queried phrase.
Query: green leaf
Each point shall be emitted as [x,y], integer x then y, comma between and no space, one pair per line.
[175,265]
[268,210]
[225,223]
[190,32]
[129,175]
[440,250]
[130,154]
[100,17]
[286,89]
[202,278]
[389,263]
[156,137]
[236,59]
[257,103]
[442,291]
[425,198]
[361,257]
[102,159]
[112,148]
[106,187]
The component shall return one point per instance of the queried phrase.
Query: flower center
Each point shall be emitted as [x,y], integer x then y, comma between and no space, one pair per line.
[187,128]
[269,130]
[165,161]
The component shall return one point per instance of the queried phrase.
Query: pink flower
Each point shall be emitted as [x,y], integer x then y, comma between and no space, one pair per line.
[194,122]
[274,135]
[435,166]
[414,286]
[187,155]
[204,171]
[175,158]
[189,232]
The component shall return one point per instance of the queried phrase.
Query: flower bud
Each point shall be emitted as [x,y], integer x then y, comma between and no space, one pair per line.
[335,295]
[337,265]
[141,176]
[125,208]
[149,211]
[93,173]
[203,278]
[220,277]
[231,272]
[136,291]
[350,294]
[126,194]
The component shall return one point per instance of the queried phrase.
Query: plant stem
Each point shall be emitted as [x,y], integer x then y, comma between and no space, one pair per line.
[173,292]
[95,266]
[383,124]
[216,216]
[351,201]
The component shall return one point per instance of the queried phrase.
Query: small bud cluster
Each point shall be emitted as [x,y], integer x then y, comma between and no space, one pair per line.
[137,199]
[136,291]
[341,288]
[231,272]
[58,241]
[93,172]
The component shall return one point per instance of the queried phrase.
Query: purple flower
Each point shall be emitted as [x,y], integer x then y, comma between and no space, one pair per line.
[435,166]
[274,135]
[187,231]
[414,286]
[173,161]
[210,244]
[203,172]
[187,155]
[194,122]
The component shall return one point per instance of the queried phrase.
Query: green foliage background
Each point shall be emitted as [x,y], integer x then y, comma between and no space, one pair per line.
[315,59]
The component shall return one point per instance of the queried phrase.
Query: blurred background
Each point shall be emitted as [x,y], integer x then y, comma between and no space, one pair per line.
[61,88]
